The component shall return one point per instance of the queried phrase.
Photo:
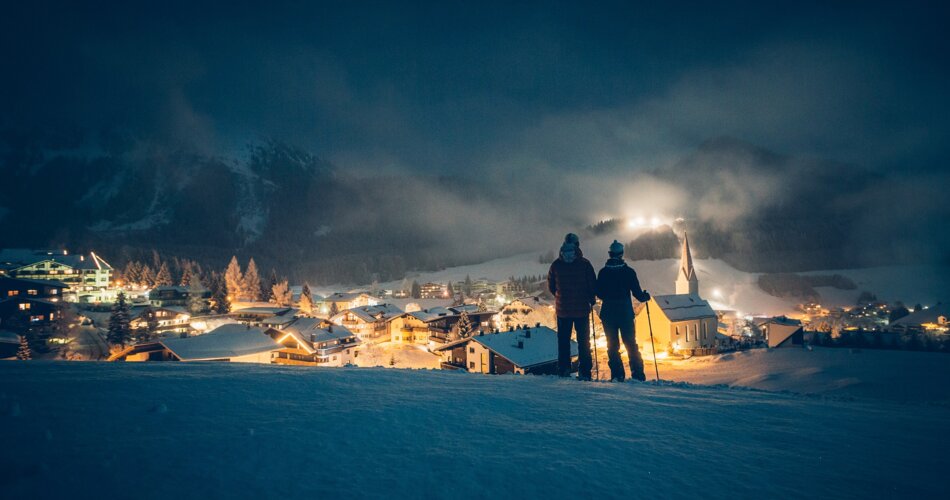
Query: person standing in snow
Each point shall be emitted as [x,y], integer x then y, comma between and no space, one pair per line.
[571,280]
[615,282]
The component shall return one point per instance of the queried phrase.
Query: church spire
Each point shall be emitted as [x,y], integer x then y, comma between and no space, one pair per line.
[686,281]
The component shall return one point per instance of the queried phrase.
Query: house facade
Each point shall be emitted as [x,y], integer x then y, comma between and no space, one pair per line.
[89,278]
[315,342]
[369,323]
[33,302]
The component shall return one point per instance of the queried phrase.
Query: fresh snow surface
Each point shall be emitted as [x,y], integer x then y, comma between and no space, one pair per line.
[899,376]
[174,430]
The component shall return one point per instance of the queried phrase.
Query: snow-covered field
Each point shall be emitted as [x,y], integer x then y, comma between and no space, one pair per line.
[899,376]
[216,430]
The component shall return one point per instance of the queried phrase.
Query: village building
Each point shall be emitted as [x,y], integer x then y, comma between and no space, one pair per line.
[369,323]
[933,319]
[255,316]
[526,311]
[783,332]
[442,322]
[433,291]
[315,342]
[683,322]
[348,300]
[526,351]
[181,296]
[170,320]
[234,343]
[35,302]
[88,278]
[408,329]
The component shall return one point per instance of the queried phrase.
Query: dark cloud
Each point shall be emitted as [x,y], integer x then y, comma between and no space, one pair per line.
[565,109]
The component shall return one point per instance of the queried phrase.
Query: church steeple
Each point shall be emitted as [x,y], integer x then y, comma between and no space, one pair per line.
[686,281]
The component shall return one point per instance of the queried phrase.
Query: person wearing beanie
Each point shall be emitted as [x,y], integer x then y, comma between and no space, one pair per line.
[571,280]
[574,240]
[615,282]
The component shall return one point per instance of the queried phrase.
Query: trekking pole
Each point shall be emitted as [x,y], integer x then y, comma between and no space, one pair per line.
[656,365]
[593,335]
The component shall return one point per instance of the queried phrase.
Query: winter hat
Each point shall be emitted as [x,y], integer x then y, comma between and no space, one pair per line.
[616,249]
[572,239]
[568,252]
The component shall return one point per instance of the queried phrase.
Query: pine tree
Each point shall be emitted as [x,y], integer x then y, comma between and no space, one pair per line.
[234,280]
[130,275]
[147,279]
[281,294]
[334,310]
[267,292]
[465,325]
[119,332]
[164,276]
[467,286]
[186,274]
[415,291]
[219,294]
[252,282]
[196,301]
[306,300]
[24,353]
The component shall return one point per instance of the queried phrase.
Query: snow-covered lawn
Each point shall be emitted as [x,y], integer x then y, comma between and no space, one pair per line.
[397,355]
[175,430]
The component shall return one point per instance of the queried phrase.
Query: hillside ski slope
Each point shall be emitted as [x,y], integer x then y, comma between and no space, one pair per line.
[94,430]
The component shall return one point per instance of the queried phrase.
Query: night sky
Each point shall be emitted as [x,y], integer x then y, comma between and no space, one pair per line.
[566,113]
[458,85]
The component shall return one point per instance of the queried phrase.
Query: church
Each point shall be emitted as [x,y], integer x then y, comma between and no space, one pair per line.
[683,323]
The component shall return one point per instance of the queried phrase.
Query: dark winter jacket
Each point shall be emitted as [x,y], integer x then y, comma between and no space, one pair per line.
[572,286]
[615,282]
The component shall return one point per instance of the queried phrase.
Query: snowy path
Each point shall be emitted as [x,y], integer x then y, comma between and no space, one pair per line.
[189,431]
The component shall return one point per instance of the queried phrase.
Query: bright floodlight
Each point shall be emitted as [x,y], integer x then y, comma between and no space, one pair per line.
[717,293]
[655,222]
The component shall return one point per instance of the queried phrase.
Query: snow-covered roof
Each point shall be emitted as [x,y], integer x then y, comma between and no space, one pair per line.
[344,296]
[380,312]
[929,315]
[538,345]
[277,311]
[14,258]
[312,330]
[683,307]
[224,342]
[532,301]
[432,314]
[8,337]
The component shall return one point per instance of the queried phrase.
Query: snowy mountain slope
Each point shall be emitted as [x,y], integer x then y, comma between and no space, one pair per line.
[738,290]
[189,431]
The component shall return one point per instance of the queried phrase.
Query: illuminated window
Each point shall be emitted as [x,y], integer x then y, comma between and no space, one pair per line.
[25,306]
[52,316]
[31,292]
[11,293]
[36,319]
[53,291]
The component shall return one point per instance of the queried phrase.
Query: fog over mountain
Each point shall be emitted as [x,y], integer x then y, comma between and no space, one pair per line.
[343,141]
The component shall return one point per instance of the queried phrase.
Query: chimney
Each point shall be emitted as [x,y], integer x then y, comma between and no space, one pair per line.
[537,325]
[330,328]
[527,333]
[521,344]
